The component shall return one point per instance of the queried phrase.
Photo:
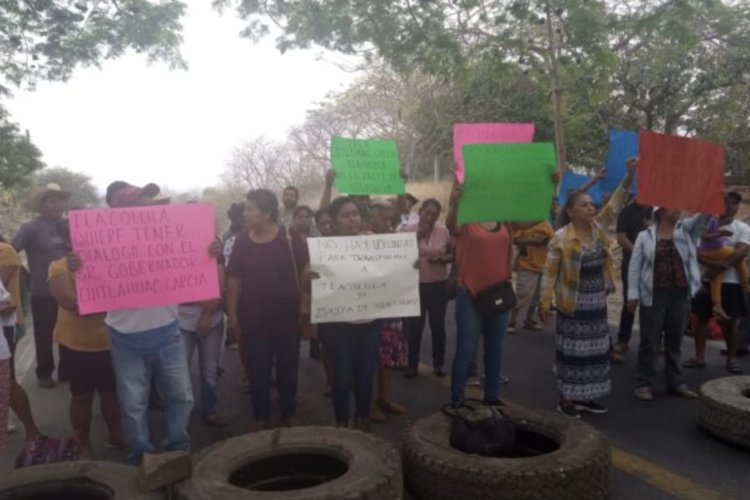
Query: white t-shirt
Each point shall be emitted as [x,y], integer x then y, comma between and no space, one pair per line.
[141,319]
[189,316]
[740,234]
[7,320]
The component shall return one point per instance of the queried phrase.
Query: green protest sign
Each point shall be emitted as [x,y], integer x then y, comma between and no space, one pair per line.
[507,182]
[365,166]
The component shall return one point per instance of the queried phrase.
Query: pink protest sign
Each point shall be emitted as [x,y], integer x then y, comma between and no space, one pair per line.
[486,133]
[144,256]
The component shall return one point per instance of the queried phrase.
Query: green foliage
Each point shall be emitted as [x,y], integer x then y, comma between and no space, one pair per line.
[18,155]
[673,66]
[46,40]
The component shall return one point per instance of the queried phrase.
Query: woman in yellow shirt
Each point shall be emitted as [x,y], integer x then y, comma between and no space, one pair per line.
[84,354]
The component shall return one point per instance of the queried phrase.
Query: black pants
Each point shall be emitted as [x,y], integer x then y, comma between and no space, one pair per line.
[434,301]
[44,315]
[266,353]
[626,318]
[668,314]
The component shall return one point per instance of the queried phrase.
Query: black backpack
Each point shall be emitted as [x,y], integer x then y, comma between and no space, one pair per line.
[480,429]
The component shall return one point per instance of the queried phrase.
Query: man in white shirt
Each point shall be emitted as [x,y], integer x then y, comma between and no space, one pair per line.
[732,293]
[147,347]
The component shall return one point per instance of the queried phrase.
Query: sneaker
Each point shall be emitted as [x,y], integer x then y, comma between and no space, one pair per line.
[440,372]
[569,410]
[511,329]
[533,327]
[644,394]
[46,382]
[684,391]
[590,406]
[474,382]
[503,380]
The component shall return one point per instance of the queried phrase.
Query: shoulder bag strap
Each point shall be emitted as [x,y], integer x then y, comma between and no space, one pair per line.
[294,259]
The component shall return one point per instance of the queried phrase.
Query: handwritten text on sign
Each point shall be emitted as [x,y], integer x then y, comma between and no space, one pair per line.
[364,277]
[144,256]
[365,166]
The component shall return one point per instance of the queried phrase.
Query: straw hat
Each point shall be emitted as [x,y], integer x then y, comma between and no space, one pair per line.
[49,191]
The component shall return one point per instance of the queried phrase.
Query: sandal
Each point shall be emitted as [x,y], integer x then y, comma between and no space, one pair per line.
[693,363]
[734,368]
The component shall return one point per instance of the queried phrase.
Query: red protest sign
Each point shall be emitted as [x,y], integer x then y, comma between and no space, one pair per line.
[682,173]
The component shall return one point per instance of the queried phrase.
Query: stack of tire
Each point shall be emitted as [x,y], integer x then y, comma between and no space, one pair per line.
[725,409]
[85,480]
[555,458]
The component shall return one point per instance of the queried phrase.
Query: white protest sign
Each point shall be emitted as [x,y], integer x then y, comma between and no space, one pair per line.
[364,277]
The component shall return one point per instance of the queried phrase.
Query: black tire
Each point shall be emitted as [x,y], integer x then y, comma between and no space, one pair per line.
[725,409]
[579,469]
[86,479]
[311,463]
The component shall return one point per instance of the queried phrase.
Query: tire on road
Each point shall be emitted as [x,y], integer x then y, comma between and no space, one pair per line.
[725,409]
[85,480]
[555,457]
[310,463]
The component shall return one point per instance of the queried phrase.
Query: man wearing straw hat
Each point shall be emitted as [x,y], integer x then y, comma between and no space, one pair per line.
[39,239]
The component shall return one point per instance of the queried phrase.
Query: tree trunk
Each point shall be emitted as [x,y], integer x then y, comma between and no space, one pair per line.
[556,93]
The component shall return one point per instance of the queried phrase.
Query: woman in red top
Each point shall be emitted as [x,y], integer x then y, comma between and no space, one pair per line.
[484,254]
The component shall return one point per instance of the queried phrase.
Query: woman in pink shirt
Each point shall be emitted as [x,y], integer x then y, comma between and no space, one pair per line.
[435,253]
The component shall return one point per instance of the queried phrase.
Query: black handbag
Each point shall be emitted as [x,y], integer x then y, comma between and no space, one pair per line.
[480,429]
[495,300]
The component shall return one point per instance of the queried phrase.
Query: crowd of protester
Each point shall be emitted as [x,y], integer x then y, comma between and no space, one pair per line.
[672,264]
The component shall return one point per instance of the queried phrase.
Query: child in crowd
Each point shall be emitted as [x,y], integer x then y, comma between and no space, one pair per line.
[714,249]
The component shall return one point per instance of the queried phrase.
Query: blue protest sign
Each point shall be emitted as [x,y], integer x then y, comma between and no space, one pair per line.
[574,181]
[622,145]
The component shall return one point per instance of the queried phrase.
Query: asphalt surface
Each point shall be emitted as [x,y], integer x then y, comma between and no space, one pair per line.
[659,450]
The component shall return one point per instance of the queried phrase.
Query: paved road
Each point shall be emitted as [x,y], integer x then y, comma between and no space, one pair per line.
[659,451]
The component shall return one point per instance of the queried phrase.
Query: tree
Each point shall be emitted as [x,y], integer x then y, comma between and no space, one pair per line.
[83,193]
[629,64]
[18,155]
[260,164]
[46,39]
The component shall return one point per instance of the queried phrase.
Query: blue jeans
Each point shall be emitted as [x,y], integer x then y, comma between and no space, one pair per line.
[134,371]
[470,326]
[263,353]
[354,354]
[209,348]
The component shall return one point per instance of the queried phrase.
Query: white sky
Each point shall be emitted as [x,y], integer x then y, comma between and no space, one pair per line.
[142,123]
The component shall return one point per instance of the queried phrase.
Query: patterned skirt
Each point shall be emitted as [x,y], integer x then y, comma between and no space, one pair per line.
[392,344]
[582,360]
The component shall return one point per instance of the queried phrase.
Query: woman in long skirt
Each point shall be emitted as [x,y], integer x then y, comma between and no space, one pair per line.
[579,273]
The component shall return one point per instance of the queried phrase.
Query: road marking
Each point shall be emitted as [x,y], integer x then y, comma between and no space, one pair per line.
[661,478]
[649,472]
